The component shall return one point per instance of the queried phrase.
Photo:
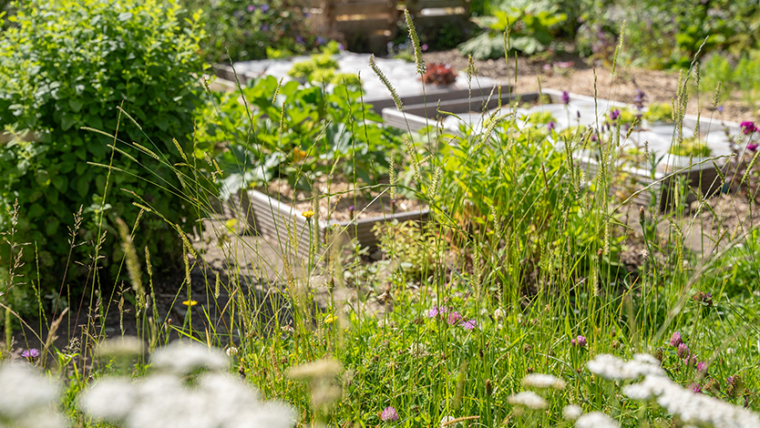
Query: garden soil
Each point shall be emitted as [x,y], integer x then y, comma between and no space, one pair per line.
[584,78]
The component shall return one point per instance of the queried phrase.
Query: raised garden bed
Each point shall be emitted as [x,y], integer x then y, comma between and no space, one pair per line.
[401,73]
[700,173]
[284,223]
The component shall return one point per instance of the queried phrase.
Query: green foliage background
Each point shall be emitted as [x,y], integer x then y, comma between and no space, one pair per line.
[70,64]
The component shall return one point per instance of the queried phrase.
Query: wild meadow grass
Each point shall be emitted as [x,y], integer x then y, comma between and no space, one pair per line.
[504,308]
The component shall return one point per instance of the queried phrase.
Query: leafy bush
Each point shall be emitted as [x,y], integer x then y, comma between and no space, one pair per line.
[69,64]
[659,112]
[406,242]
[532,27]
[246,29]
[690,147]
[320,133]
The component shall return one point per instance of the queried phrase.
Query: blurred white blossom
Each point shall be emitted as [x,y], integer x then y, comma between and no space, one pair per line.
[596,420]
[612,368]
[540,380]
[27,399]
[164,399]
[528,399]
[572,412]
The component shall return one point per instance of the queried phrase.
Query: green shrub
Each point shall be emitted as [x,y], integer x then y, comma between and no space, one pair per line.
[69,64]
[659,112]
[246,29]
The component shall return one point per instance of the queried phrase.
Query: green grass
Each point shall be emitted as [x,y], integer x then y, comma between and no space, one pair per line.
[525,246]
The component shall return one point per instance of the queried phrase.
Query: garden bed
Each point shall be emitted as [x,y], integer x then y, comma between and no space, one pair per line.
[285,223]
[402,74]
[585,111]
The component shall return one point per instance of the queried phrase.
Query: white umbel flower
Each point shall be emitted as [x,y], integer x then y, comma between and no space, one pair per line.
[692,408]
[528,399]
[26,398]
[540,380]
[165,400]
[182,358]
[612,368]
[596,420]
[572,412]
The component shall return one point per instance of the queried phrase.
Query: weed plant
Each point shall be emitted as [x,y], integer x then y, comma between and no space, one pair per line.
[523,278]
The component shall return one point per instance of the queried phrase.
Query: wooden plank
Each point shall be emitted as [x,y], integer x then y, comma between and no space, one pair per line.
[365,26]
[369,8]
[441,4]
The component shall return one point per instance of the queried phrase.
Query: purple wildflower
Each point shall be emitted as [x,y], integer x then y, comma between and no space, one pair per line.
[470,324]
[565,97]
[264,28]
[264,7]
[299,40]
[424,47]
[550,126]
[578,113]
[306,14]
[748,127]
[690,360]
[31,353]
[683,351]
[455,318]
[389,414]
[675,339]
[579,341]
[639,99]
[341,47]
[320,40]
[547,68]
[614,114]
[720,109]
[251,8]
[438,310]
[695,388]
[752,147]
[702,367]
[351,208]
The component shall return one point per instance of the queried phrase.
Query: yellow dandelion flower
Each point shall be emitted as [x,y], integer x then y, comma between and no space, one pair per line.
[189,303]
[330,319]
[298,155]
[308,214]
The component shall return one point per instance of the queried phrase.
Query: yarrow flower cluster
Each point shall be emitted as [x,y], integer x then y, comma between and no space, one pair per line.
[528,399]
[688,404]
[540,380]
[612,368]
[164,398]
[596,420]
[26,398]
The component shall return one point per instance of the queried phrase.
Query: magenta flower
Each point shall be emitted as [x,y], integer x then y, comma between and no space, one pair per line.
[550,126]
[695,388]
[675,339]
[702,367]
[424,47]
[264,7]
[565,97]
[455,318]
[251,8]
[31,353]
[438,310]
[748,127]
[614,114]
[389,414]
[752,147]
[579,341]
[690,360]
[470,324]
[683,351]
